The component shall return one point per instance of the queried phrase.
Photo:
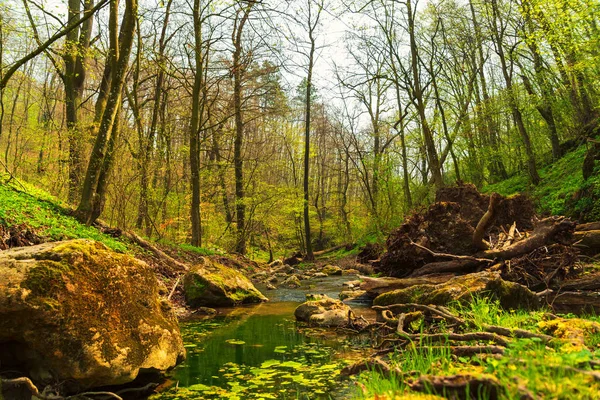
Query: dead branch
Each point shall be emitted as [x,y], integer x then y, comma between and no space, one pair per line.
[454,266]
[455,337]
[154,250]
[485,222]
[544,233]
[372,364]
[436,310]
[518,333]
[452,256]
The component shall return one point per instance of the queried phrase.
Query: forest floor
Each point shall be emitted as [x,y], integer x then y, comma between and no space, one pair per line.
[558,356]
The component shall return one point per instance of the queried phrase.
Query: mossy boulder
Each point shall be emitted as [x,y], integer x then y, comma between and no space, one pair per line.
[330,270]
[78,312]
[463,289]
[211,284]
[322,310]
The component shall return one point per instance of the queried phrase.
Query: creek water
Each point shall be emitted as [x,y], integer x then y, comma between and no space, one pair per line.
[259,351]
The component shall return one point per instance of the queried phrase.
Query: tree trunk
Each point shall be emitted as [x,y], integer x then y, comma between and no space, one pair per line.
[120,51]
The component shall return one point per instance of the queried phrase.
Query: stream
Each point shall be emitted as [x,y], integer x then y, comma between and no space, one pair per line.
[260,352]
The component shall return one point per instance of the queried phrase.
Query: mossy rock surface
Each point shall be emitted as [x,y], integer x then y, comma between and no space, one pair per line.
[331,270]
[78,312]
[322,310]
[463,289]
[211,284]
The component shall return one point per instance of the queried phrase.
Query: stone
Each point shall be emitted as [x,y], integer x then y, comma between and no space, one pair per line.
[462,289]
[331,270]
[350,271]
[78,312]
[319,275]
[204,311]
[211,284]
[322,310]
[291,282]
[275,264]
[359,296]
[271,286]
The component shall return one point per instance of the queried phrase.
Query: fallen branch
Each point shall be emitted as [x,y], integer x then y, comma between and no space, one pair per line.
[442,267]
[485,222]
[544,233]
[518,333]
[436,310]
[154,250]
[455,337]
[451,256]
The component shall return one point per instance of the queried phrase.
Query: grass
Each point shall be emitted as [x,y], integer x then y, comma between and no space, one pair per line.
[560,181]
[24,204]
[529,365]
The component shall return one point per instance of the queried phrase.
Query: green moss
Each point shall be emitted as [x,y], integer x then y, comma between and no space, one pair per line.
[46,278]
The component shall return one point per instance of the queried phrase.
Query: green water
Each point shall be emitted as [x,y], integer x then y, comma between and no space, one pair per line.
[260,352]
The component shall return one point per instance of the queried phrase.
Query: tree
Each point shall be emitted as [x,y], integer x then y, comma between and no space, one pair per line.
[107,108]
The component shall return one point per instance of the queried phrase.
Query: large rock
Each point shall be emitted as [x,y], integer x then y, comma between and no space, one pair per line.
[463,289]
[211,284]
[322,310]
[77,312]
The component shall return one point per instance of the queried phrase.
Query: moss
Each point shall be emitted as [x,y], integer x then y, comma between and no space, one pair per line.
[46,278]
[574,331]
[91,292]
[463,289]
[214,285]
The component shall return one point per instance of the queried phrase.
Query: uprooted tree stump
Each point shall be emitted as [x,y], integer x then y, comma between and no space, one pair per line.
[449,227]
[466,232]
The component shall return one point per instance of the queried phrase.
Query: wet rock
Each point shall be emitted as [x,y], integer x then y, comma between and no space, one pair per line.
[331,270]
[322,310]
[463,289]
[291,282]
[275,264]
[204,311]
[272,279]
[77,312]
[355,296]
[211,284]
[271,286]
[351,284]
[350,271]
[319,275]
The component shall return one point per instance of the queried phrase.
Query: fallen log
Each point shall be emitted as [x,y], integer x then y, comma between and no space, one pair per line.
[445,267]
[590,226]
[162,256]
[588,241]
[590,282]
[376,286]
[546,232]
[574,302]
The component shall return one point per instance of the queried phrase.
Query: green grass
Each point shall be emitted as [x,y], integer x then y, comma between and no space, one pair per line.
[546,370]
[23,204]
[559,182]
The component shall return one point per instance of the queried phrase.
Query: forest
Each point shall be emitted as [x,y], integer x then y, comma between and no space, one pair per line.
[256,126]
[167,167]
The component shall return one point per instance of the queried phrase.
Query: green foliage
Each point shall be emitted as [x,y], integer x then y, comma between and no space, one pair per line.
[560,182]
[47,216]
[545,369]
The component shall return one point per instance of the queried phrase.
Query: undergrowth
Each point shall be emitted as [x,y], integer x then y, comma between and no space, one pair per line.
[562,190]
[23,204]
[545,370]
